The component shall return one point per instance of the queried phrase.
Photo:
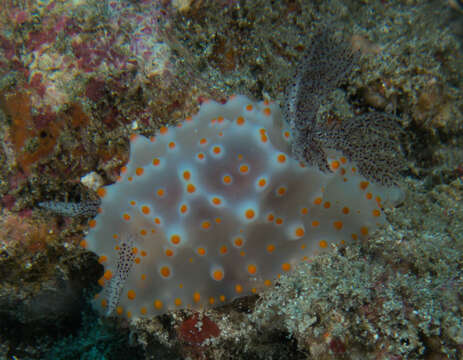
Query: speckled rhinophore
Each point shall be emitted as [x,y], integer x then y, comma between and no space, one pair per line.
[216,209]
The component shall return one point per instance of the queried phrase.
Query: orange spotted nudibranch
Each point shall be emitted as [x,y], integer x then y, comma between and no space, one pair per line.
[217,209]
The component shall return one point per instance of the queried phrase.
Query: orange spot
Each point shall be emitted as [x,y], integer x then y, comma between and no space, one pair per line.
[318,201]
[354,236]
[338,225]
[201,251]
[376,213]
[163,130]
[345,210]
[104,303]
[267,283]
[137,260]
[270,217]
[216,201]
[175,239]
[270,248]
[130,178]
[203,141]
[165,271]
[217,150]
[227,179]
[156,161]
[186,175]
[262,182]
[240,120]
[238,241]
[190,188]
[217,275]
[364,230]
[119,310]
[183,209]
[139,171]
[107,275]
[133,203]
[143,311]
[281,191]
[267,112]
[160,192]
[196,297]
[123,169]
[304,211]
[315,223]
[281,158]
[299,232]
[206,224]
[169,252]
[145,209]
[102,259]
[143,253]
[238,288]
[369,196]
[252,269]
[327,205]
[157,304]
[323,244]
[134,250]
[218,220]
[343,160]
[200,156]
[286,134]
[101,192]
[172,145]
[364,184]
[286,267]
[279,221]
[211,300]
[249,107]
[143,232]
[143,276]
[223,249]
[244,169]
[222,298]
[250,213]
[92,223]
[220,119]
[188,119]
[178,302]
[131,294]
[335,165]
[157,220]
[126,217]
[152,139]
